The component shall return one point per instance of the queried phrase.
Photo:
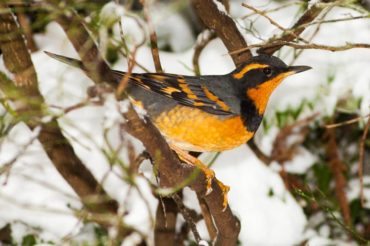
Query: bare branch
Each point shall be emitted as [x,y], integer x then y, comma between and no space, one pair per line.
[351,18]
[256,150]
[284,149]
[297,28]
[203,40]
[361,162]
[165,223]
[273,22]
[186,214]
[153,38]
[348,122]
[224,27]
[207,216]
[337,167]
[267,45]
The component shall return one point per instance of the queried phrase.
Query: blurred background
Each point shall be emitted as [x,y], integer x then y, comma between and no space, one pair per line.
[311,186]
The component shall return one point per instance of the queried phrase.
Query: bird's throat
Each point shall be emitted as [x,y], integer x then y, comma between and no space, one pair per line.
[260,95]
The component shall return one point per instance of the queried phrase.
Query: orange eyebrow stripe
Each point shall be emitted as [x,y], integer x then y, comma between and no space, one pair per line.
[247,68]
[215,99]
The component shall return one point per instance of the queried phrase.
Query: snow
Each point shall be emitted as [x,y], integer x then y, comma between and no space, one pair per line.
[251,183]
[171,28]
[354,190]
[269,215]
[220,6]
[203,243]
[34,189]
[112,114]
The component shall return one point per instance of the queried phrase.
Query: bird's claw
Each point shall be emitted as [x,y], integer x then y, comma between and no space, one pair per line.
[225,190]
[209,175]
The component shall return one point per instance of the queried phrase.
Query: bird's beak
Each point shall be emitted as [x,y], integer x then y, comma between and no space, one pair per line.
[298,69]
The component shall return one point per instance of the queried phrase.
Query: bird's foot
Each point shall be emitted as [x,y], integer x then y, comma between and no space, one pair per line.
[225,190]
[208,173]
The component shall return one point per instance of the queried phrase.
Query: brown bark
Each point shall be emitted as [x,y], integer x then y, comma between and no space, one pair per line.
[199,46]
[165,224]
[212,230]
[153,38]
[27,30]
[13,48]
[173,174]
[337,167]
[97,69]
[361,162]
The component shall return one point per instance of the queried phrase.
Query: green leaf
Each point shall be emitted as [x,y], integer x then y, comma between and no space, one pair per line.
[323,175]
[29,240]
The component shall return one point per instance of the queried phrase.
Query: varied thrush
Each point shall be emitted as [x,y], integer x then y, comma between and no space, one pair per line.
[209,112]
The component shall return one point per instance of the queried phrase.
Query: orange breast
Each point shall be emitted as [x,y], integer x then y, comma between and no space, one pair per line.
[195,130]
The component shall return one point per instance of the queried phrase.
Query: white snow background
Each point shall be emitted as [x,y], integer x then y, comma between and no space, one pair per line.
[265,219]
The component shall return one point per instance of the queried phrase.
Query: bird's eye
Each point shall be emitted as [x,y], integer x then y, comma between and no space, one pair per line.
[267,71]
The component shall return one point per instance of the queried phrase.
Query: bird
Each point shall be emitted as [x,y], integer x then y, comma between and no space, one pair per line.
[206,113]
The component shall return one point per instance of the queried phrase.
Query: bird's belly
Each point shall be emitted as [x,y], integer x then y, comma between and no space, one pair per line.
[195,130]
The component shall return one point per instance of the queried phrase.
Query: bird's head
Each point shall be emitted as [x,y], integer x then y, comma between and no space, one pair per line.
[260,75]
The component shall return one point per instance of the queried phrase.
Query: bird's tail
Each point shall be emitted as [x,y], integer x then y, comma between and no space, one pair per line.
[67,60]
[117,75]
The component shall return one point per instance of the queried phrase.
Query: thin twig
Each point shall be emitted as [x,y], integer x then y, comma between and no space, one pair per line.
[315,32]
[153,38]
[184,211]
[283,148]
[308,16]
[337,20]
[271,10]
[258,152]
[125,79]
[272,21]
[203,39]
[361,162]
[347,46]
[337,167]
[6,167]
[125,52]
[348,122]
[207,216]
[224,27]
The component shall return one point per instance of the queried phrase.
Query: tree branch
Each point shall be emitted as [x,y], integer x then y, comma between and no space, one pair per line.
[361,162]
[165,223]
[204,39]
[296,29]
[337,168]
[268,45]
[173,173]
[153,38]
[224,27]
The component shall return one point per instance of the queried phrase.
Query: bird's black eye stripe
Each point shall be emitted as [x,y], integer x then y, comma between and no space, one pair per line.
[267,71]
